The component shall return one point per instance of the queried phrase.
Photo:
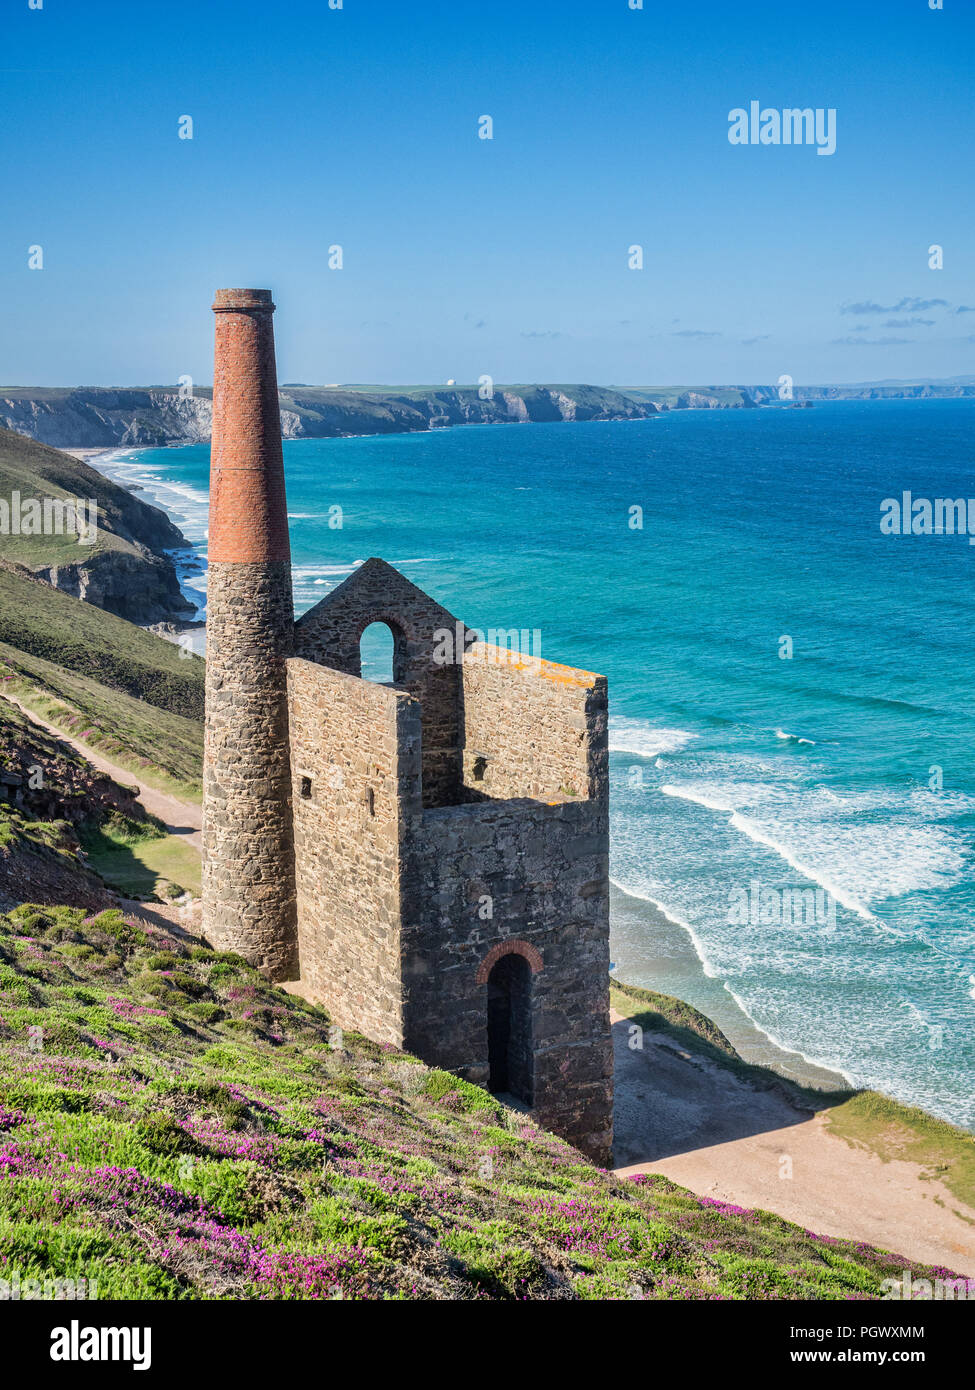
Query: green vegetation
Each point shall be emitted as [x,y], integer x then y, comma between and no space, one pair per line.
[181,1129]
[42,622]
[670,395]
[665,1014]
[126,525]
[893,1130]
[40,858]
[14,827]
[162,749]
[143,862]
[59,796]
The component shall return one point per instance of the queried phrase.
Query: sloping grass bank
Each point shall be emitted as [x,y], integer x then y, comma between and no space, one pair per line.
[180,1129]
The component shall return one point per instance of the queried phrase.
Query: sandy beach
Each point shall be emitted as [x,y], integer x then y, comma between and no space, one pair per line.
[652,951]
[680,1114]
[88,455]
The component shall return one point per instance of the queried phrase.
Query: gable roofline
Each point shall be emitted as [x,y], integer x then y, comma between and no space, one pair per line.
[366,573]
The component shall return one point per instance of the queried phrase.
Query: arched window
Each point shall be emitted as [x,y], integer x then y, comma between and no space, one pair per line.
[510,1049]
[377,650]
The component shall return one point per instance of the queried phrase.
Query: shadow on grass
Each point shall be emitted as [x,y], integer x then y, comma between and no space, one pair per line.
[138,868]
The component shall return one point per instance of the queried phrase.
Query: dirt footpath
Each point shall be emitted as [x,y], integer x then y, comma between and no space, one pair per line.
[179,817]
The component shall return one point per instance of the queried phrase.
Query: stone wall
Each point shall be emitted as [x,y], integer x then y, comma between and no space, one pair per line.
[355,759]
[533,728]
[493,874]
[330,634]
[403,908]
[248,851]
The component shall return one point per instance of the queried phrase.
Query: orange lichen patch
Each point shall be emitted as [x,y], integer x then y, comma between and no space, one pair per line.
[547,670]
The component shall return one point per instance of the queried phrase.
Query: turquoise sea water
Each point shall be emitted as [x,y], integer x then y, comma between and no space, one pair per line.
[734,770]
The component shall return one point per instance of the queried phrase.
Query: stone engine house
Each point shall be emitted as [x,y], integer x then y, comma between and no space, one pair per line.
[431,854]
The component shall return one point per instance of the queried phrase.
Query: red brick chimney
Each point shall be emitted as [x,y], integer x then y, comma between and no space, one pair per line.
[248,843]
[248,511]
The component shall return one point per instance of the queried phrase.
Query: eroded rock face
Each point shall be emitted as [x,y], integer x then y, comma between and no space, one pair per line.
[103,418]
[140,588]
[154,417]
[123,559]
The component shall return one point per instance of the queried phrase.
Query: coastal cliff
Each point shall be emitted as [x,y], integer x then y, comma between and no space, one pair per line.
[153,416]
[96,417]
[99,417]
[126,568]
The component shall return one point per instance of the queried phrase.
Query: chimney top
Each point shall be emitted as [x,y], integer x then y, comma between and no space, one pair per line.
[248,509]
[228,301]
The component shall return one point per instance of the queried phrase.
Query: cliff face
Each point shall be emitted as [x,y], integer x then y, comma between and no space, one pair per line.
[141,588]
[99,417]
[127,569]
[89,419]
[923,391]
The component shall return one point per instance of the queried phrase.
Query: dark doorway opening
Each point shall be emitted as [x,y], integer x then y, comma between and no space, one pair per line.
[510,1028]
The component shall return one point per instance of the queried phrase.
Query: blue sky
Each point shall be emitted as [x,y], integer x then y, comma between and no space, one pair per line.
[359,127]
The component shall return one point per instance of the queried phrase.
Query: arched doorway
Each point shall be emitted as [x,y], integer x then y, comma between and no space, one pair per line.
[510,1054]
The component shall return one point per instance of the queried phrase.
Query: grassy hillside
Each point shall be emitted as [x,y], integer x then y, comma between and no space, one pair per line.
[117,690]
[42,622]
[53,803]
[39,860]
[162,749]
[125,523]
[675,396]
[124,569]
[185,1130]
[663,1013]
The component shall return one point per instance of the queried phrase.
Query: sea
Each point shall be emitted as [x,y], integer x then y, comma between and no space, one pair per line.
[792,705]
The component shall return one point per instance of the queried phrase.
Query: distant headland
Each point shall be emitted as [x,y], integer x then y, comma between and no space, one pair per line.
[103,417]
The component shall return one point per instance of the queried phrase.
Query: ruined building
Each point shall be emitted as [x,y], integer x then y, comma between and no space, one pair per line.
[431,855]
